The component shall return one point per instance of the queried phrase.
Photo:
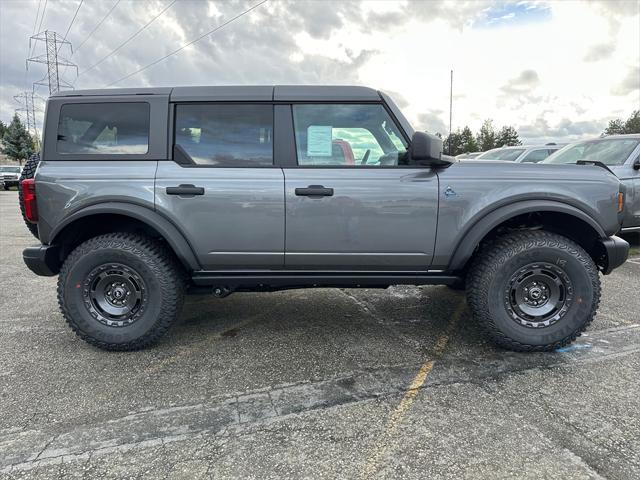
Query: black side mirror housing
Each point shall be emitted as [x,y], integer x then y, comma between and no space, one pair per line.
[426,149]
[636,164]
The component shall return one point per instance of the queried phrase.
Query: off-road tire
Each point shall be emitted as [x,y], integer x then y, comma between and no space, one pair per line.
[497,263]
[156,269]
[28,171]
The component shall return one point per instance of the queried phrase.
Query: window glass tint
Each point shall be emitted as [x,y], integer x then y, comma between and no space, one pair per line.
[347,135]
[506,154]
[11,169]
[535,156]
[610,151]
[226,135]
[104,128]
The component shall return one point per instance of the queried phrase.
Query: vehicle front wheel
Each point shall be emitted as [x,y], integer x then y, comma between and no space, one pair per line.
[533,290]
[120,291]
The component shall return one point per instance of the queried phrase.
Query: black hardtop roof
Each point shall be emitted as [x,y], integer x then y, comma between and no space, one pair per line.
[241,93]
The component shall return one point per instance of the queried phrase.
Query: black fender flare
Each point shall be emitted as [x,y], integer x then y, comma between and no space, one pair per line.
[164,227]
[474,234]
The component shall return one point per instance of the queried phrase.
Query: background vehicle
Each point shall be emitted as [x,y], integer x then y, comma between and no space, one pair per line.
[468,155]
[10,175]
[167,190]
[520,154]
[621,154]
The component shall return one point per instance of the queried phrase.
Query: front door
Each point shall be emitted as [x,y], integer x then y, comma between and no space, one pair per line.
[222,189]
[353,202]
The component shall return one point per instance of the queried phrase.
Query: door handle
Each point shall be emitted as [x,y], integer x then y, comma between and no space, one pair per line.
[187,190]
[314,191]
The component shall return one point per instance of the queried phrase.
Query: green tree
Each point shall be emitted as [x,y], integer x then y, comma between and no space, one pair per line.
[17,141]
[619,126]
[632,125]
[468,141]
[487,136]
[615,127]
[3,128]
[508,136]
[453,143]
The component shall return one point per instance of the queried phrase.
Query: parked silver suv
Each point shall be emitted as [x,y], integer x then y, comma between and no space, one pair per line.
[9,175]
[520,154]
[142,195]
[621,155]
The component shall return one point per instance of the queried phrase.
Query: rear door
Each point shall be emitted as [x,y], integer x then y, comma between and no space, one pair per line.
[222,188]
[352,200]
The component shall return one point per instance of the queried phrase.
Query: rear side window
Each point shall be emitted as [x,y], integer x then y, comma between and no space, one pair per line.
[104,128]
[226,135]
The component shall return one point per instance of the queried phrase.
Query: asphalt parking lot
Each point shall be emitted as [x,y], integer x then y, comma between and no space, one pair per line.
[328,383]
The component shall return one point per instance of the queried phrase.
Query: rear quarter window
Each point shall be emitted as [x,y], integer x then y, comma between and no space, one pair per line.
[103,128]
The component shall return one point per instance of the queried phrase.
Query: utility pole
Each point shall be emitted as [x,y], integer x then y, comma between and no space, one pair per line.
[450,110]
[52,60]
[27,105]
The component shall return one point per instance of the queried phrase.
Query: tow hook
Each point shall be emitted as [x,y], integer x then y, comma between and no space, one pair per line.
[222,292]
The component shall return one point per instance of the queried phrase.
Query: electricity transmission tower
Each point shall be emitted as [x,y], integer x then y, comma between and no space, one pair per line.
[27,105]
[52,59]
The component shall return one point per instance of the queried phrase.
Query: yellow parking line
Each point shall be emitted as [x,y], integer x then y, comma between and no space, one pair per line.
[386,439]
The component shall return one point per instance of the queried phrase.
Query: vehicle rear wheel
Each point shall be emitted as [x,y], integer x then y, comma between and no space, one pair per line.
[533,290]
[120,291]
[28,171]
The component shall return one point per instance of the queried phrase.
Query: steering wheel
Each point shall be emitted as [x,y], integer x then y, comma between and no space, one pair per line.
[365,157]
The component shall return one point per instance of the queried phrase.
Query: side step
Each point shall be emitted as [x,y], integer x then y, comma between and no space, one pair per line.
[271,280]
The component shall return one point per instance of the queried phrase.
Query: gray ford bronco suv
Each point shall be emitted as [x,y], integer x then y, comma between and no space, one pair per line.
[143,195]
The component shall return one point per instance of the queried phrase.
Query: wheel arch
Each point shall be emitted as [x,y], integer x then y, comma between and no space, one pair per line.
[551,215]
[119,216]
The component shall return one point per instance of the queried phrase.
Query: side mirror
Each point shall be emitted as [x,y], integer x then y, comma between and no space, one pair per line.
[636,164]
[426,149]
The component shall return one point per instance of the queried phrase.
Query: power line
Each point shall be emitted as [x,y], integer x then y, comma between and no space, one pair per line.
[91,33]
[37,15]
[98,25]
[71,24]
[127,40]
[35,23]
[44,10]
[188,44]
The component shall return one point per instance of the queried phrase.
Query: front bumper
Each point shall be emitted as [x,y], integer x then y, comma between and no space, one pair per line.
[43,260]
[616,252]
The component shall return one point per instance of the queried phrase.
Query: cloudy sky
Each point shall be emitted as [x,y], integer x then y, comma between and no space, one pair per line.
[556,71]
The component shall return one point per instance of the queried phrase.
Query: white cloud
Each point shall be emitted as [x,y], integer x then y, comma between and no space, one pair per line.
[562,68]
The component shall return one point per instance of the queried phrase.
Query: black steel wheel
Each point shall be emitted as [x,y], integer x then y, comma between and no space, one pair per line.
[538,295]
[121,291]
[533,290]
[115,294]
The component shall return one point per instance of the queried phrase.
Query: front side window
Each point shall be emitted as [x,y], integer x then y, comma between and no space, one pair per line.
[610,151]
[226,135]
[347,135]
[535,156]
[104,128]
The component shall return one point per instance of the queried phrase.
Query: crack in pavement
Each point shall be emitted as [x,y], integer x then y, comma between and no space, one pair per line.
[23,450]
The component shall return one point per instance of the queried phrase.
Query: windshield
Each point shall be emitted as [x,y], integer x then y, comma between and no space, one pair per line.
[610,151]
[506,154]
[10,169]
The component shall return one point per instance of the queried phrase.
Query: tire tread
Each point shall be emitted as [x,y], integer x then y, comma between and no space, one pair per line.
[491,258]
[158,258]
